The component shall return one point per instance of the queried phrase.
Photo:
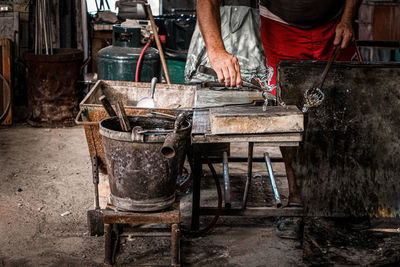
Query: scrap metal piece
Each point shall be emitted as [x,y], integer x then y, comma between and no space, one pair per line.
[313,98]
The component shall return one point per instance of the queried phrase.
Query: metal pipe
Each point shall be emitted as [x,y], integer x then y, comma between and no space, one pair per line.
[44,26]
[272,179]
[227,184]
[36,29]
[85,35]
[249,174]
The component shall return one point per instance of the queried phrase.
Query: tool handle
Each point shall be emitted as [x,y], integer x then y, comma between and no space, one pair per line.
[328,65]
[123,119]
[107,106]
[159,47]
[153,86]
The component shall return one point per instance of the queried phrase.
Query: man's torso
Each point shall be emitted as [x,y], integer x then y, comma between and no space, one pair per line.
[304,14]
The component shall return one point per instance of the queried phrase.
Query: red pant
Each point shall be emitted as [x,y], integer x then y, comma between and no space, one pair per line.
[282,41]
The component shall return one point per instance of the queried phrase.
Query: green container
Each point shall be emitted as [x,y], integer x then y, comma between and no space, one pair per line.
[118,61]
[176,67]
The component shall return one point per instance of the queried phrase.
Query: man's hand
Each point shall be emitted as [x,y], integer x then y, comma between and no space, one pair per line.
[344,34]
[226,66]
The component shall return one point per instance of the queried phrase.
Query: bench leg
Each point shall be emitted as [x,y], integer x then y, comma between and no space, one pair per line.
[249,174]
[227,183]
[175,244]
[108,244]
[196,172]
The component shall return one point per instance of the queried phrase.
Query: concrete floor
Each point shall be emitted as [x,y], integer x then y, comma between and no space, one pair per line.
[46,172]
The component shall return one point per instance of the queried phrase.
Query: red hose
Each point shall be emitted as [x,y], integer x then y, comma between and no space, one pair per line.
[140,60]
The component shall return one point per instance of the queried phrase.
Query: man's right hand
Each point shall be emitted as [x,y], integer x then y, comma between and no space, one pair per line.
[226,66]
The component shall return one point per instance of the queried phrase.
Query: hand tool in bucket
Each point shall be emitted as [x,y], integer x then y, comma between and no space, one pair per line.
[148,102]
[170,146]
[123,119]
[107,106]
[313,97]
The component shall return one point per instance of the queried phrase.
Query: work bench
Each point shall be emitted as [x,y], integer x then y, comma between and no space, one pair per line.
[206,132]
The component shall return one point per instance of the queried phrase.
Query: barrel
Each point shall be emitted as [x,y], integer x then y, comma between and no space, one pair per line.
[52,87]
[141,178]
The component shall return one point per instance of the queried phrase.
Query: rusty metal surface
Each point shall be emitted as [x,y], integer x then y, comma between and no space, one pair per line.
[348,162]
[141,178]
[52,88]
[179,97]
[252,119]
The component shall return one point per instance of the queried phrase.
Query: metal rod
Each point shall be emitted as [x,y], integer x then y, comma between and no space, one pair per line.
[44,26]
[249,174]
[328,65]
[272,179]
[95,172]
[49,28]
[227,184]
[36,29]
[85,34]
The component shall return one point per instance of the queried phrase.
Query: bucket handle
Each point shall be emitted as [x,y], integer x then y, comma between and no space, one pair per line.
[81,122]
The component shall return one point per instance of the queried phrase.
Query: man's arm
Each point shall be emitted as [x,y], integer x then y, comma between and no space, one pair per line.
[225,65]
[344,30]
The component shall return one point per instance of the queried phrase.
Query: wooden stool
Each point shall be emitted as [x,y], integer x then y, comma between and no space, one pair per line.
[113,218]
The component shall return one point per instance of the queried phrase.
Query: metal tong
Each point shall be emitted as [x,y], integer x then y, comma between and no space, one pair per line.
[253,84]
[313,97]
[211,72]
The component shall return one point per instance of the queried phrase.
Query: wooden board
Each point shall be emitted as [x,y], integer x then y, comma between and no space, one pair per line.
[6,72]
[253,120]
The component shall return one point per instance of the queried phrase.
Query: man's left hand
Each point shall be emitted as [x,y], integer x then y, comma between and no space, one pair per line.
[344,34]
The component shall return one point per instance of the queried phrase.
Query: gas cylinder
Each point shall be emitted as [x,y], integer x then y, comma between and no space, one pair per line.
[118,61]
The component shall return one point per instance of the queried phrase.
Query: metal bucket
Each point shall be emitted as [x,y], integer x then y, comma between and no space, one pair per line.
[141,178]
[52,88]
[170,99]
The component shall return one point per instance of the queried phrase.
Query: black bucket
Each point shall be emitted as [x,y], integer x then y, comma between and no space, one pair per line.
[141,178]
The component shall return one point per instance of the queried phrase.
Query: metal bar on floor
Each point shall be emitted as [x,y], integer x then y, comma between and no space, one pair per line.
[272,179]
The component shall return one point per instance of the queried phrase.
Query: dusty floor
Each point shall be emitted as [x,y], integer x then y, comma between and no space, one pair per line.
[46,172]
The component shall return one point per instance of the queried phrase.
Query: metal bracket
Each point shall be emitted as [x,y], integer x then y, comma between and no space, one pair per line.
[137,134]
